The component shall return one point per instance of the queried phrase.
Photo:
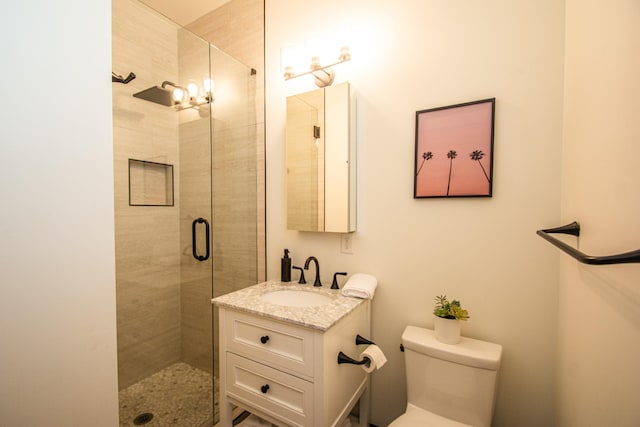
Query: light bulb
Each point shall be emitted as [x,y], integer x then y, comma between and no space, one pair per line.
[288,72]
[345,55]
[315,63]
[208,85]
[178,95]
[193,90]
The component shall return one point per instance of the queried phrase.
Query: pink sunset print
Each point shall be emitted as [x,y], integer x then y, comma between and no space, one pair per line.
[454,147]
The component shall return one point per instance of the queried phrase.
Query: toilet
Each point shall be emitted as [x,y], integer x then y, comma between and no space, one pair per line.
[448,385]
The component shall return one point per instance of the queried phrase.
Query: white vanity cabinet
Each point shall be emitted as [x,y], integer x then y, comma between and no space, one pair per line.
[288,373]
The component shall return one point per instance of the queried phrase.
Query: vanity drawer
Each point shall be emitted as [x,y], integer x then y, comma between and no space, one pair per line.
[283,346]
[278,394]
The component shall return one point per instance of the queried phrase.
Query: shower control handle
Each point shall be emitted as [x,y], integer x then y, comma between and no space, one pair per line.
[264,339]
[264,388]
[194,243]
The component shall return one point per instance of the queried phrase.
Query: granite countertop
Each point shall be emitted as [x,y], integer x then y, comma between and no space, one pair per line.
[319,317]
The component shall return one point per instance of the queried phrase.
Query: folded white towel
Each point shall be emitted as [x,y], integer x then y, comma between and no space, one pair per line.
[360,285]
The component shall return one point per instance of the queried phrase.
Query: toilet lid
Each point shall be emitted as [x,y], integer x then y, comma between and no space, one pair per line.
[419,417]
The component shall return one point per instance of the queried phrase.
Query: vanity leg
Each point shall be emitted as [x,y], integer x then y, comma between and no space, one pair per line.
[365,408]
[226,416]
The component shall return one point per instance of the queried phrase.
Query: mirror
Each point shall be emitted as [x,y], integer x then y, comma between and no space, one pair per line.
[320,160]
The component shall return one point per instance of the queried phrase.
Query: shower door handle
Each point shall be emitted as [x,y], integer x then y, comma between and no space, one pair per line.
[194,243]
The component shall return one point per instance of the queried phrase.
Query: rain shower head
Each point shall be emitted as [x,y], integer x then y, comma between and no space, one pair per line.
[157,94]
[161,95]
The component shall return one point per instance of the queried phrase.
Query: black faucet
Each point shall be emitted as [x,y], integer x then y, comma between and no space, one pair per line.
[301,281]
[306,267]
[334,284]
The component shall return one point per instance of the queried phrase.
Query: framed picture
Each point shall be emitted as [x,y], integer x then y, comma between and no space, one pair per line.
[454,150]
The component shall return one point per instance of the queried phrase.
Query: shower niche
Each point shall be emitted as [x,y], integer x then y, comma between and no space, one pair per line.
[150,183]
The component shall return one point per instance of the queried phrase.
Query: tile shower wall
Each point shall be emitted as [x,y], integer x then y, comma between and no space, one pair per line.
[147,262]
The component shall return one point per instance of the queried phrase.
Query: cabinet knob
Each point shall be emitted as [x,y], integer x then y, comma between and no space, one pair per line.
[264,388]
[264,339]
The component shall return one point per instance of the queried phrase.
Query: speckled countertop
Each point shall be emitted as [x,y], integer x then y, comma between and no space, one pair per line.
[319,317]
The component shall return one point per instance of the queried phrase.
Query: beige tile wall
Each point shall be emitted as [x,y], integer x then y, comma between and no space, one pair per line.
[147,262]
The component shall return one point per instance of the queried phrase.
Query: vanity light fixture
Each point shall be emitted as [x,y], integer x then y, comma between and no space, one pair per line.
[323,74]
[194,95]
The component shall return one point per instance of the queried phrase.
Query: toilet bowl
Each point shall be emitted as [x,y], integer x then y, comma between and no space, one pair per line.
[448,385]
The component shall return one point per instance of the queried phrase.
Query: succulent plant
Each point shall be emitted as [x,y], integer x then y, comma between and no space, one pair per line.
[449,310]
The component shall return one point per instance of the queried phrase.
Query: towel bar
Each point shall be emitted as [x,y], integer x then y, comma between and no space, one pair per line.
[574,230]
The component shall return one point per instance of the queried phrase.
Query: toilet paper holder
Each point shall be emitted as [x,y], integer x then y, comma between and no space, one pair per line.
[343,358]
[360,340]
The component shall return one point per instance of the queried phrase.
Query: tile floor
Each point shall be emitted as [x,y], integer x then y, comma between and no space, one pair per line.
[177,396]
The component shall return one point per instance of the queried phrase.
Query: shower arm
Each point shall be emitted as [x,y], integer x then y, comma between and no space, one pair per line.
[168,83]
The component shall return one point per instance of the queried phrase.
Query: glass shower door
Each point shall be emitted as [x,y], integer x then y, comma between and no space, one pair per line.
[234,182]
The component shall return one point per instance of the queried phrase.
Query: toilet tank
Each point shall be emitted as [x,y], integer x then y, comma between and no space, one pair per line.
[456,381]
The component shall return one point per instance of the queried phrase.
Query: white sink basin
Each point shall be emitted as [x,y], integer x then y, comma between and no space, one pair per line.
[292,298]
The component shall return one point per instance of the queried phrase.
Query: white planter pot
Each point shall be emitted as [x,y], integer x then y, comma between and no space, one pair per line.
[447,330]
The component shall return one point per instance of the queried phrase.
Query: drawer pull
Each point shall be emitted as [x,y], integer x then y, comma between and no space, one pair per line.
[264,388]
[264,339]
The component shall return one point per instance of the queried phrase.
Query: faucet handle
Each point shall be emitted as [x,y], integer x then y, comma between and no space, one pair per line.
[302,281]
[334,284]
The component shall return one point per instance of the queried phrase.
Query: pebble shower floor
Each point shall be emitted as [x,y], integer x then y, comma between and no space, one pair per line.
[177,396]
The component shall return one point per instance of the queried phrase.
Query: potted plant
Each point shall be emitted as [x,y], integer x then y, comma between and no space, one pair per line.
[448,315]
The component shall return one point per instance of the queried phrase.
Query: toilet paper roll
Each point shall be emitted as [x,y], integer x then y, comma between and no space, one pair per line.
[377,357]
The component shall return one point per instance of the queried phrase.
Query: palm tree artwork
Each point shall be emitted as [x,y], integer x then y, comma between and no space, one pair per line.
[477,155]
[452,154]
[426,156]
[454,150]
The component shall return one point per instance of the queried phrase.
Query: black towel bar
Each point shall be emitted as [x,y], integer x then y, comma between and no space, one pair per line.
[574,230]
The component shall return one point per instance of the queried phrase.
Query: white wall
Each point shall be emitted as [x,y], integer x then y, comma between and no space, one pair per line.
[411,55]
[57,293]
[599,321]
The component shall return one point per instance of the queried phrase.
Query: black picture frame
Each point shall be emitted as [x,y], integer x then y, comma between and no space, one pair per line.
[454,150]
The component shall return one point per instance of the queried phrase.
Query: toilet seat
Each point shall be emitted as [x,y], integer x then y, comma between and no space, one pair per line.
[418,417]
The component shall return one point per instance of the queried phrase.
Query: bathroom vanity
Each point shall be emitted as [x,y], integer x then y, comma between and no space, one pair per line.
[279,344]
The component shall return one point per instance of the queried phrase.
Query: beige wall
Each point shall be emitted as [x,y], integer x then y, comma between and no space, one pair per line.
[147,237]
[599,321]
[410,55]
[57,294]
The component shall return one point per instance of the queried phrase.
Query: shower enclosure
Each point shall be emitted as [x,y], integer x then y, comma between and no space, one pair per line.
[186,215]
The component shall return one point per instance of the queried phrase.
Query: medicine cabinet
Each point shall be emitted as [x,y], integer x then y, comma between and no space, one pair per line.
[321,160]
